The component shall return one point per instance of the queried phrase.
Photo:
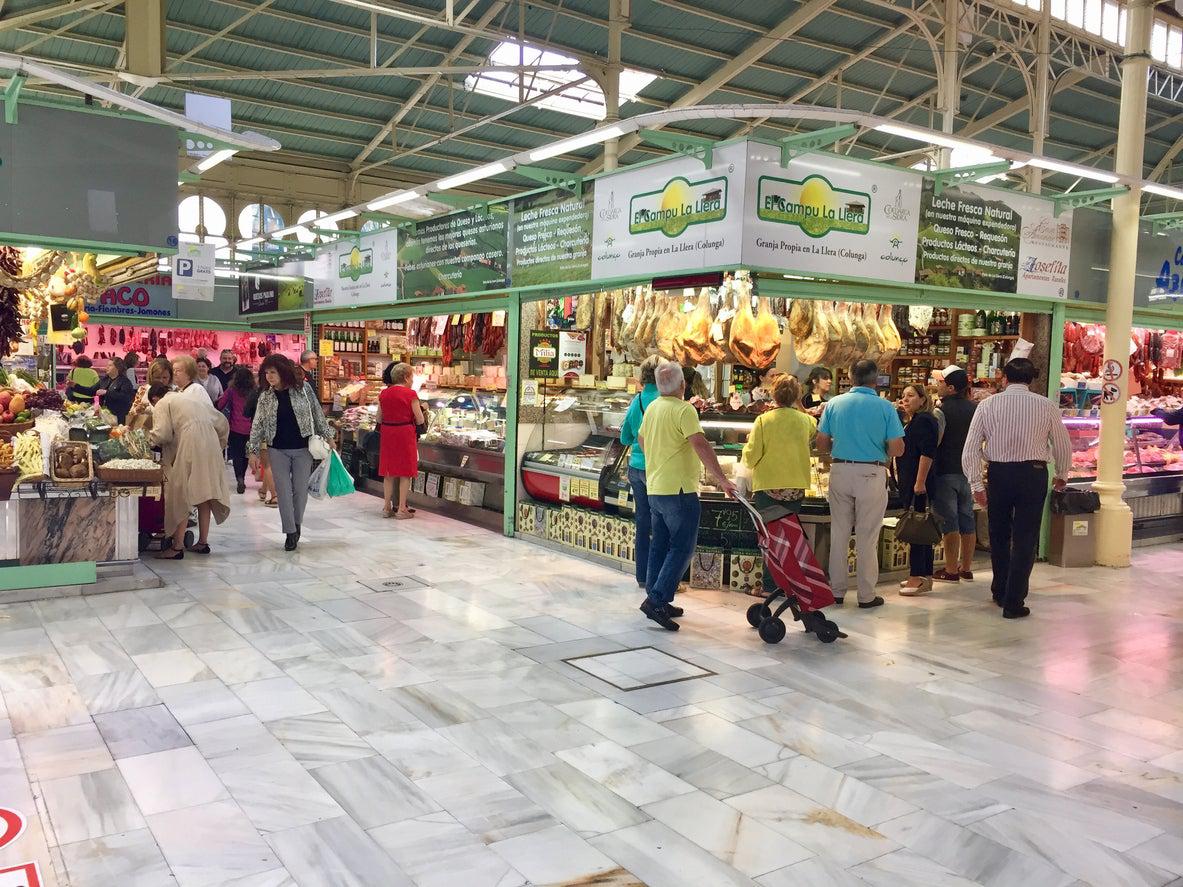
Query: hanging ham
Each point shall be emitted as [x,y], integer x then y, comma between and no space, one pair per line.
[743,331]
[767,338]
[696,335]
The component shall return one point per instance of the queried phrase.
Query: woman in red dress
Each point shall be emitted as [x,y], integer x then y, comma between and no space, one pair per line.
[398,454]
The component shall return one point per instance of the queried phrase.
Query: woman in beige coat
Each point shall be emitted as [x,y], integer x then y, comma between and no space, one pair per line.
[192,436]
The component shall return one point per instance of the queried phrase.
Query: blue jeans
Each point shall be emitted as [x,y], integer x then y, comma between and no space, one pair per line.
[675,531]
[953,503]
[644,522]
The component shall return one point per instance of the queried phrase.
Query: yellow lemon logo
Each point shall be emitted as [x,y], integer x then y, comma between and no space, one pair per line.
[678,205]
[813,205]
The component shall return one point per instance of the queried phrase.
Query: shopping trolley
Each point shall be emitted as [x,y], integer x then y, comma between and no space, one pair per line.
[799,578]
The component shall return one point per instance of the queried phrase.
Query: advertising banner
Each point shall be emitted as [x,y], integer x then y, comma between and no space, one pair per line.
[351,273]
[193,272]
[1045,246]
[670,216]
[551,236]
[826,214]
[556,354]
[137,300]
[258,294]
[968,240]
[461,253]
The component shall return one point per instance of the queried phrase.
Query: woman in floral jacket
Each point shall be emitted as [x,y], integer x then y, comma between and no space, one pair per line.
[285,418]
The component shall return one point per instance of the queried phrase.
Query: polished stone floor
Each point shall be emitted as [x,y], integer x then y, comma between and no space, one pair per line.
[424,703]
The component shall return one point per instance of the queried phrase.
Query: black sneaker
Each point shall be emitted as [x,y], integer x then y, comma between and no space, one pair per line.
[875,602]
[674,611]
[241,486]
[659,614]
[298,531]
[1016,614]
[289,542]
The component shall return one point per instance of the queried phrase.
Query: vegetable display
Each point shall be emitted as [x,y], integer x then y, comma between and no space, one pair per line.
[26,448]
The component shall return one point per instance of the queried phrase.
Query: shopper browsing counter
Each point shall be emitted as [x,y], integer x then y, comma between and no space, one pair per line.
[636,463]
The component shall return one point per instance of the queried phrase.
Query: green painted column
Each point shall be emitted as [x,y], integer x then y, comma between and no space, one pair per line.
[513,322]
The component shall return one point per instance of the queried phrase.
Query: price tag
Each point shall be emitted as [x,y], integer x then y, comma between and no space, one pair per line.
[467,318]
[564,489]
[326,347]
[498,318]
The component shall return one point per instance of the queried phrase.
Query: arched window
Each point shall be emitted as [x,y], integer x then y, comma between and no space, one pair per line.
[256,219]
[200,215]
[309,216]
[373,225]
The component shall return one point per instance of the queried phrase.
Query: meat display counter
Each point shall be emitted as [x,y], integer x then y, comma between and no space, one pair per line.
[1152,471]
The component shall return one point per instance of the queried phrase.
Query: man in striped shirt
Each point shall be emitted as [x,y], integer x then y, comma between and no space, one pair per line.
[1015,431]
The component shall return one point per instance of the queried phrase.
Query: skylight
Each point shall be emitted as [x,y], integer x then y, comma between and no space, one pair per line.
[585,100]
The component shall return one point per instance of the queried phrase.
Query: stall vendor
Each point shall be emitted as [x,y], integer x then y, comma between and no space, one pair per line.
[82,382]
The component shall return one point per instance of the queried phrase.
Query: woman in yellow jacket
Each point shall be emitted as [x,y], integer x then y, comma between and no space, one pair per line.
[777,452]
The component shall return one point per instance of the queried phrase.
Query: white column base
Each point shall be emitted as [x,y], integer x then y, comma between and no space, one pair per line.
[1115,528]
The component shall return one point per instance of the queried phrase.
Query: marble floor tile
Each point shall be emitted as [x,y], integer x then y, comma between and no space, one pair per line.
[237,743]
[732,740]
[1120,796]
[1011,758]
[66,751]
[32,671]
[616,722]
[141,731]
[485,804]
[116,691]
[148,639]
[837,790]
[583,804]
[90,805]
[624,772]
[707,770]
[129,859]
[240,666]
[374,792]
[336,853]
[420,753]
[813,872]
[172,667]
[33,711]
[660,857]
[497,747]
[273,698]
[210,845]
[280,796]
[546,725]
[936,759]
[210,637]
[928,792]
[363,708]
[201,702]
[806,739]
[274,878]
[1164,852]
[319,738]
[438,705]
[436,851]
[95,657]
[171,780]
[558,856]
[903,868]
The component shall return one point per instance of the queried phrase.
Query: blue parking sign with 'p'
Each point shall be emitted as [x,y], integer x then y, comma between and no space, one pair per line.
[184,267]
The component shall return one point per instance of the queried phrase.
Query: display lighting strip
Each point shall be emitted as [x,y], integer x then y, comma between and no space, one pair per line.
[793,113]
[214,159]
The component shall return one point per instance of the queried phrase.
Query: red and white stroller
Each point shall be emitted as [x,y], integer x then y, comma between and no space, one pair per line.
[799,578]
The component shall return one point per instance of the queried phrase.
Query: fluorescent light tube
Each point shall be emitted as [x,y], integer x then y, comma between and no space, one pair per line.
[214,159]
[232,272]
[595,137]
[249,243]
[1072,169]
[473,175]
[284,232]
[335,217]
[1164,191]
[391,200]
[924,135]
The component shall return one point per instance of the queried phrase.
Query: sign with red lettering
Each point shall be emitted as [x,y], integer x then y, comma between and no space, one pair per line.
[137,300]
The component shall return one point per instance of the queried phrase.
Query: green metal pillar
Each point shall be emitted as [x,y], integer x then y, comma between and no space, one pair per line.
[513,333]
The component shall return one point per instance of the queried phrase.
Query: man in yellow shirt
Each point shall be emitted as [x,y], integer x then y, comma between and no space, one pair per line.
[675,452]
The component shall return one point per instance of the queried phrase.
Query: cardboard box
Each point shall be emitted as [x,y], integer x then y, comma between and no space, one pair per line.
[524,522]
[1073,540]
[554,520]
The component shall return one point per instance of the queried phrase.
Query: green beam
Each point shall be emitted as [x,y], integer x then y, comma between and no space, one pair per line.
[336,235]
[945,178]
[555,178]
[188,178]
[1078,199]
[12,96]
[513,323]
[692,146]
[806,142]
[1162,222]
[47,575]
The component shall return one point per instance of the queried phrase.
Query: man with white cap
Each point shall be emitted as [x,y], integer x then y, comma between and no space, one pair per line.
[952,500]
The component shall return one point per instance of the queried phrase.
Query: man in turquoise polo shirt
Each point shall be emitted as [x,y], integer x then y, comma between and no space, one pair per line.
[636,463]
[861,431]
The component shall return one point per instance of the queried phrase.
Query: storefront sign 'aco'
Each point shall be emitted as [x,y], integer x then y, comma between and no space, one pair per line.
[151,298]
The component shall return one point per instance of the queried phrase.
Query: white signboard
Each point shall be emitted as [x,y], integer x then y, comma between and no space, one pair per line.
[193,272]
[1045,246]
[825,214]
[353,272]
[670,217]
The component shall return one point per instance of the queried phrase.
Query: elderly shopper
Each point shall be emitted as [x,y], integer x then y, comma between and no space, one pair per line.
[191,435]
[777,452]
[399,411]
[913,472]
[636,463]
[675,452]
[213,387]
[285,419]
[860,430]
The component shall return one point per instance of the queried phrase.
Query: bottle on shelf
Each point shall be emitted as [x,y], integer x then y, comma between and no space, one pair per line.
[996,321]
[980,324]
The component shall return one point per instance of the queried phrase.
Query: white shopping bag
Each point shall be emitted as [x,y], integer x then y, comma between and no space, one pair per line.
[318,481]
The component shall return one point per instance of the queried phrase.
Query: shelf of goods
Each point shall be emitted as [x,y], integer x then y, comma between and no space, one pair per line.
[1153,458]
[574,491]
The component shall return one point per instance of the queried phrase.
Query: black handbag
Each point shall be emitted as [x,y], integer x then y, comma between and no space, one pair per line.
[918,528]
[1075,502]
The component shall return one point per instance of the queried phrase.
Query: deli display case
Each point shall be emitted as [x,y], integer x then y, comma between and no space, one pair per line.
[1152,471]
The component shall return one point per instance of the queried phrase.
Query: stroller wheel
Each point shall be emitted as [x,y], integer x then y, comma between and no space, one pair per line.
[757,613]
[189,538]
[828,632]
[772,631]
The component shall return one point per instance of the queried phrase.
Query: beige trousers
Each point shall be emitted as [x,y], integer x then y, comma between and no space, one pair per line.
[858,500]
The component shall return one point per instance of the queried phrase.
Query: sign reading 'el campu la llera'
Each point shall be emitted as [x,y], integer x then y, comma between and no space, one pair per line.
[677,206]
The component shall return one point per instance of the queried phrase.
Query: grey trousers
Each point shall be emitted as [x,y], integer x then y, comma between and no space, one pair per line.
[858,499]
[291,470]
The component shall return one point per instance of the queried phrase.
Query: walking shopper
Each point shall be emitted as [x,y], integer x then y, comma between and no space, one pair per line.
[861,430]
[131,360]
[233,403]
[1015,431]
[224,370]
[208,380]
[777,451]
[284,421]
[913,472]
[636,464]
[262,468]
[675,452]
[119,393]
[949,493]
[191,435]
[399,412]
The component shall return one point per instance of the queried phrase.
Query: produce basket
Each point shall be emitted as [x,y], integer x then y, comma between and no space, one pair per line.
[130,475]
[70,462]
[8,478]
[13,428]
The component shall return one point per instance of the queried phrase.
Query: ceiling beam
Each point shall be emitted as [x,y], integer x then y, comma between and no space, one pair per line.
[331,73]
[242,19]
[761,46]
[49,10]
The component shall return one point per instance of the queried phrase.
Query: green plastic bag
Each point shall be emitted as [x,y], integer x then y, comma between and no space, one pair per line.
[340,481]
